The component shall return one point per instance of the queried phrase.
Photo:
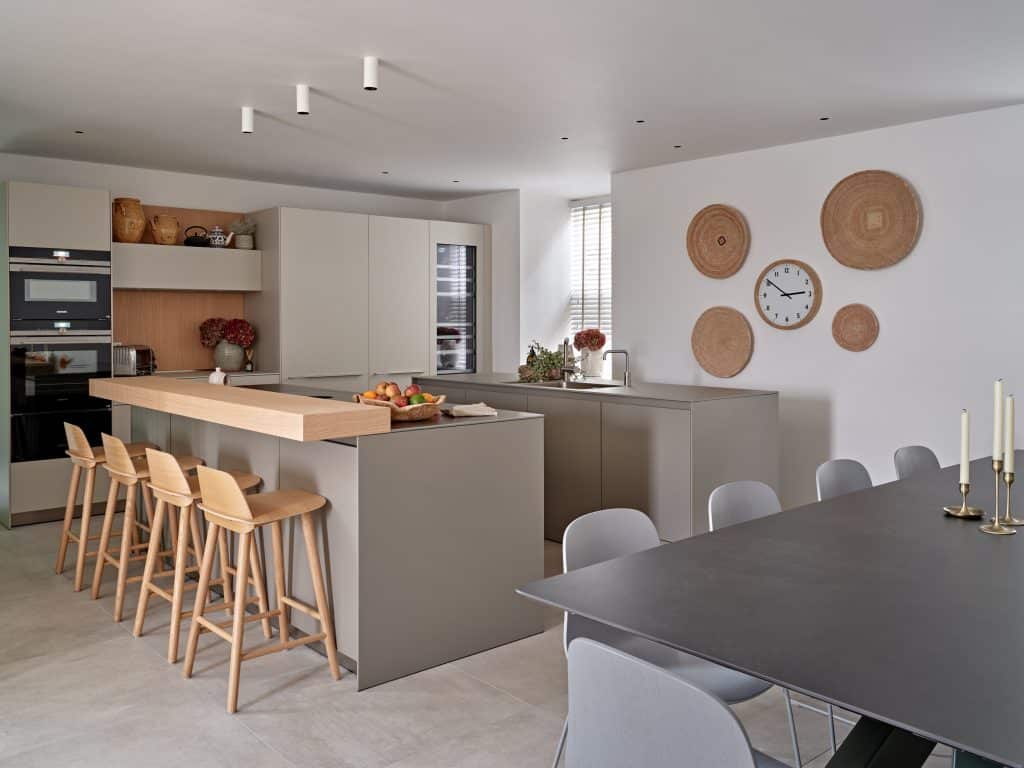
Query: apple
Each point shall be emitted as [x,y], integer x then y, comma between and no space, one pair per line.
[417,399]
[400,401]
[381,388]
[392,390]
[412,389]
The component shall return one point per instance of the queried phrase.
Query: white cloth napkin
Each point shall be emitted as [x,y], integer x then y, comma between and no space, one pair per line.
[476,409]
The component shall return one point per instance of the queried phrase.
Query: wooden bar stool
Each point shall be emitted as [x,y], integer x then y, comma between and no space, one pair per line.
[84,458]
[226,507]
[177,494]
[129,472]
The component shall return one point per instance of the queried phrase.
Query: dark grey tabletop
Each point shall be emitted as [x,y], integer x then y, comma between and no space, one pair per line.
[873,601]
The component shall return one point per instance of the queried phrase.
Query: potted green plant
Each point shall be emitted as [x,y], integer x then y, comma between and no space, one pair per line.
[245,232]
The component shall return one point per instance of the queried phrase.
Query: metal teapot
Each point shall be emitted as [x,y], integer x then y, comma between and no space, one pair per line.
[196,235]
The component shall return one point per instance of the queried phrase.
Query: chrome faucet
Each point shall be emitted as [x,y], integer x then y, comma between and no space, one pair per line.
[627,380]
[568,362]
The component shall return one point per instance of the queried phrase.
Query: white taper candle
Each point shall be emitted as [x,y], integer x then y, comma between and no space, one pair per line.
[965,447]
[997,426]
[1008,445]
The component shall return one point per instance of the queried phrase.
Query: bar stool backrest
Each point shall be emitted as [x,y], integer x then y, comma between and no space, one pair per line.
[118,460]
[166,478]
[78,444]
[221,494]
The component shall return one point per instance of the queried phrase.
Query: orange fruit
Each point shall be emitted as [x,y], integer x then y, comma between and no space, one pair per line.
[370,395]
[428,397]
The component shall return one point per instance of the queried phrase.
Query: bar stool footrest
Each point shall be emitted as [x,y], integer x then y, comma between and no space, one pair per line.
[306,608]
[286,646]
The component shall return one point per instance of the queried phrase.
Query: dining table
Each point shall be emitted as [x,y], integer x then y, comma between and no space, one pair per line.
[875,601]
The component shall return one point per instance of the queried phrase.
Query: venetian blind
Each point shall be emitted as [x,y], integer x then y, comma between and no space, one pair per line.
[591,267]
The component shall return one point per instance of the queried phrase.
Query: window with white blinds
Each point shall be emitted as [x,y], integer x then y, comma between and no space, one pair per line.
[591,268]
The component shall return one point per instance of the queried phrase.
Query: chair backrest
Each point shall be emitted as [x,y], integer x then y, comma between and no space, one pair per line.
[739,502]
[594,538]
[841,476]
[625,711]
[221,494]
[914,459]
[78,443]
[166,477]
[118,460]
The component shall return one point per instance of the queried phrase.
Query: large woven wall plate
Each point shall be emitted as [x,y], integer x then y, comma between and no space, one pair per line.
[718,240]
[722,341]
[855,327]
[871,220]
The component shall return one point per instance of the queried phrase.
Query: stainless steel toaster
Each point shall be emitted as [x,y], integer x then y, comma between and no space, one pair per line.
[134,360]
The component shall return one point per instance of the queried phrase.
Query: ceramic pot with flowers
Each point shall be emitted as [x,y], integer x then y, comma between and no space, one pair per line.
[590,342]
[229,339]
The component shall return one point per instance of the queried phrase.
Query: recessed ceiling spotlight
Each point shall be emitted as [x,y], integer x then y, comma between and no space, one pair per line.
[824,118]
[302,99]
[248,118]
[640,122]
[565,138]
[79,132]
[371,65]
[455,181]
[677,146]
[385,172]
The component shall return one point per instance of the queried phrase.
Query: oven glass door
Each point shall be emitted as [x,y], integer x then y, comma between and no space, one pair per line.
[37,436]
[51,374]
[52,297]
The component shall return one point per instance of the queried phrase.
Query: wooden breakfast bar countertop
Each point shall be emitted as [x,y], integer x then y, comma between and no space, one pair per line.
[294,417]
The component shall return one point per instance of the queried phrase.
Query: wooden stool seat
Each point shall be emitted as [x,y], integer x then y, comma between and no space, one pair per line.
[129,471]
[84,458]
[176,494]
[226,507]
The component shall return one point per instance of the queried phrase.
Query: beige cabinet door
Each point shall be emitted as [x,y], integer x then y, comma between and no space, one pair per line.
[324,263]
[399,295]
[646,465]
[48,216]
[572,459]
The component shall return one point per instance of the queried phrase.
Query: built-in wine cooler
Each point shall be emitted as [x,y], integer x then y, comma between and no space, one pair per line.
[456,328]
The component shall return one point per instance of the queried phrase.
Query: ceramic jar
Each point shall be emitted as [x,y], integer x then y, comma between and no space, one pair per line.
[129,220]
[592,363]
[228,356]
[165,229]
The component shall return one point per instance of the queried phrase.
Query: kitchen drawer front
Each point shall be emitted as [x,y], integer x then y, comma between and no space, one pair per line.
[253,379]
[357,383]
[646,464]
[506,401]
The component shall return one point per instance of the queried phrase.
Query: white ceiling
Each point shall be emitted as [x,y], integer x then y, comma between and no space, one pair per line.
[479,90]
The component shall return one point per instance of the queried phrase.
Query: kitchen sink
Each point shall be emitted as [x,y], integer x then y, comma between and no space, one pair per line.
[565,385]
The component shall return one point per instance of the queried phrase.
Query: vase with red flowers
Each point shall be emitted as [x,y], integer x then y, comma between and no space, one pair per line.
[229,340]
[590,342]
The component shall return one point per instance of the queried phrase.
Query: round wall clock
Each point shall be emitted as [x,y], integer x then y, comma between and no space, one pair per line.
[787,294]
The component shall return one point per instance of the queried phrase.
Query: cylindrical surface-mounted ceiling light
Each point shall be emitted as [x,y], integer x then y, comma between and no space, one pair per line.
[247,119]
[302,99]
[371,65]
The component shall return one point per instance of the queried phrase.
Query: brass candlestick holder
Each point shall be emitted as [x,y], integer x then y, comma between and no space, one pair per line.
[996,527]
[964,511]
[1008,518]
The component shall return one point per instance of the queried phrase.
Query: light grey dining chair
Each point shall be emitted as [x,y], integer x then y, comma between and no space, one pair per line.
[609,533]
[914,459]
[626,711]
[838,477]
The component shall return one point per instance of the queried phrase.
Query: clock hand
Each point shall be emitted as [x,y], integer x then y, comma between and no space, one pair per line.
[773,285]
[794,293]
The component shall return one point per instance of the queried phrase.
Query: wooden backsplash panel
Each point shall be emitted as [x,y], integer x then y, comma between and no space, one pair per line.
[168,321]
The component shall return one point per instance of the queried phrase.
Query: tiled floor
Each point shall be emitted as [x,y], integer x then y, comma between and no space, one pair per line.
[78,690]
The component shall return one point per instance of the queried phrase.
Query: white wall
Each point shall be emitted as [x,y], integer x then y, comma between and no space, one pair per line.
[188,190]
[501,211]
[950,313]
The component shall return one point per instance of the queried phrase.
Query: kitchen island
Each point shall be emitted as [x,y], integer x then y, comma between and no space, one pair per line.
[659,448]
[429,526]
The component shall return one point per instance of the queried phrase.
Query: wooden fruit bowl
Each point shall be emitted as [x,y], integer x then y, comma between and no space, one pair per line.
[420,412]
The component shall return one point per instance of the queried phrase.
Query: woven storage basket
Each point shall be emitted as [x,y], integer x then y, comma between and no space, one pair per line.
[855,327]
[718,240]
[722,341]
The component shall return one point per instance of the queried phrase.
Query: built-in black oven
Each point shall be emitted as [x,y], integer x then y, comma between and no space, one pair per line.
[50,385]
[60,297]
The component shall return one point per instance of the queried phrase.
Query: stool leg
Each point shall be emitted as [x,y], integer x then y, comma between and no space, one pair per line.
[283,618]
[69,514]
[261,586]
[108,523]
[197,534]
[128,526]
[322,606]
[238,625]
[83,538]
[180,558]
[202,592]
[225,563]
[147,574]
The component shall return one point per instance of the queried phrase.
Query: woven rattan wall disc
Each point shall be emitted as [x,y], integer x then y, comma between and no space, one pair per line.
[855,327]
[722,341]
[871,220]
[718,240]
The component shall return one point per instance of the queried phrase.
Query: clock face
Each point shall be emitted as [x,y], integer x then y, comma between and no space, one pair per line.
[788,294]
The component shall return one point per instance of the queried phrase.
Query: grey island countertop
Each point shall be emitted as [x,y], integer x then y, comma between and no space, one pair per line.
[642,393]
